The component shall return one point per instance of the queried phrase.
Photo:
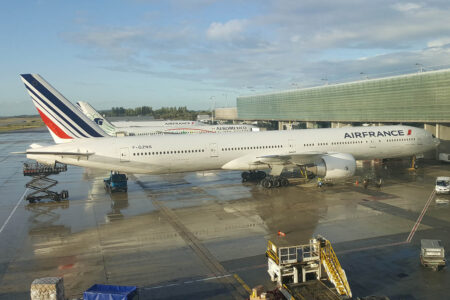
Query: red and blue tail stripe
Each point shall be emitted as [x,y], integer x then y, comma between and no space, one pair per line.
[62,118]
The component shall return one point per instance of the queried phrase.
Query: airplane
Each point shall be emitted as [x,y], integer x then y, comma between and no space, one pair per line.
[158,127]
[332,151]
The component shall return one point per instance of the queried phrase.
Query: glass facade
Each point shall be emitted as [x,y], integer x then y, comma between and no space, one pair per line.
[421,97]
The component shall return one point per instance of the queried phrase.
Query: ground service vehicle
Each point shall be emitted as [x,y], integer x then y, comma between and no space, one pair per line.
[116,182]
[432,254]
[445,157]
[442,185]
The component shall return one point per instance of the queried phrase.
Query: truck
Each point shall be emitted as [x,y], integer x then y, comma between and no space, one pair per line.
[442,185]
[444,157]
[432,254]
[116,182]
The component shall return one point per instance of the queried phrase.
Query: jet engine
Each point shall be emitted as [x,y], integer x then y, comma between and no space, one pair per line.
[335,166]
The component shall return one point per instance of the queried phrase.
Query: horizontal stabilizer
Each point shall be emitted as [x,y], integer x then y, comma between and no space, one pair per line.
[60,153]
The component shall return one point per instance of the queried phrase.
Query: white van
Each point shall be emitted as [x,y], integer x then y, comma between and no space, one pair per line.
[442,185]
[444,157]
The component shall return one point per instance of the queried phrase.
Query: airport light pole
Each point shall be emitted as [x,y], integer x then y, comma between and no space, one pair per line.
[421,67]
[213,108]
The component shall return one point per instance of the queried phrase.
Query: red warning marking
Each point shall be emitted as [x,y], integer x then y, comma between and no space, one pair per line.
[65,267]
[409,131]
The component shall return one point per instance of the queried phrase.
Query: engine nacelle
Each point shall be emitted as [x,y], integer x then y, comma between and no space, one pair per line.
[336,166]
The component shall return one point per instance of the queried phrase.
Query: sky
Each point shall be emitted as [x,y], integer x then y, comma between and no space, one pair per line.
[204,53]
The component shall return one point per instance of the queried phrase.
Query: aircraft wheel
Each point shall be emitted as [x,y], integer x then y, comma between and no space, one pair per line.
[284,182]
[266,183]
[277,183]
[245,175]
[261,174]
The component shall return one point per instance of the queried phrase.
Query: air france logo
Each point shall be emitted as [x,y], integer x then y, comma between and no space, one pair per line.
[99,121]
[379,133]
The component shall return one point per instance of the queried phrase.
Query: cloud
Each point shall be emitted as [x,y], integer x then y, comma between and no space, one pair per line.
[286,41]
[226,31]
[439,42]
[406,7]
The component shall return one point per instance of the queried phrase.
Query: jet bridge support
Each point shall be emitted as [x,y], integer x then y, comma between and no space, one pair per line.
[41,183]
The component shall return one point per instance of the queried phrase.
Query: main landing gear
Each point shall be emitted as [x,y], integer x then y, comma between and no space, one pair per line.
[274,181]
[266,181]
[253,176]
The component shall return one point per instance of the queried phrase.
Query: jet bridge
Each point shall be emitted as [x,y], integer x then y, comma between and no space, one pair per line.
[296,268]
[41,184]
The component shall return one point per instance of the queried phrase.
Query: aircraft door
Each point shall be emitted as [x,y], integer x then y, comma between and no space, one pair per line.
[291,146]
[213,152]
[124,154]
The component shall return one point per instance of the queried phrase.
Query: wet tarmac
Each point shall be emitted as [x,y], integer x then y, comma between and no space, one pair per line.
[203,235]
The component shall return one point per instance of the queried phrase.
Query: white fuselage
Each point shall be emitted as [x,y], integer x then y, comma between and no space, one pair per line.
[181,153]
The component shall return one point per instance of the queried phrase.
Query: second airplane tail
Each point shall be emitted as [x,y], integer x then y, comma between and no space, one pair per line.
[64,121]
[95,116]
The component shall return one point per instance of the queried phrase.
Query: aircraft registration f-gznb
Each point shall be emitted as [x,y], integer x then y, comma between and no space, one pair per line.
[333,151]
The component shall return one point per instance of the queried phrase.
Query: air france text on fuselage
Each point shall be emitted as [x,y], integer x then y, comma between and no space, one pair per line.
[379,133]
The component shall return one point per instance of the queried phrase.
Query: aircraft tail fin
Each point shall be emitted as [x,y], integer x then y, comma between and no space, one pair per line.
[64,121]
[95,116]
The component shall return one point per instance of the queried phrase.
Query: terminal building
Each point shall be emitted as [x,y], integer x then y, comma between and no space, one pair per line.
[420,99]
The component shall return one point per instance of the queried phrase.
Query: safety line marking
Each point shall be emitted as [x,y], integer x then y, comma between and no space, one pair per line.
[187,282]
[242,282]
[12,212]
[419,219]
[371,247]
[408,239]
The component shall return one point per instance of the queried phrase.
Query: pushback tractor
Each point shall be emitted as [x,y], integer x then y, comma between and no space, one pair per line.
[116,182]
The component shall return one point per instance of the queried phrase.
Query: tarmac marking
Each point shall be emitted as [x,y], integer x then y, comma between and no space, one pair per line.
[187,282]
[12,212]
[197,247]
[371,247]
[408,239]
[242,282]
[419,219]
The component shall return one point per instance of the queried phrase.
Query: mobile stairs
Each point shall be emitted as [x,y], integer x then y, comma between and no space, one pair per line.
[41,183]
[307,271]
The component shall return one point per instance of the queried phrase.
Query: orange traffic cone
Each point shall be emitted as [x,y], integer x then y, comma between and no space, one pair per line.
[280,233]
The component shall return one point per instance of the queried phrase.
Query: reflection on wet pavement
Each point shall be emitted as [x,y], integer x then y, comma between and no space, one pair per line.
[189,234]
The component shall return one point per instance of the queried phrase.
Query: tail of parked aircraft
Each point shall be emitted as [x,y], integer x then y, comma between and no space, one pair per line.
[64,121]
[95,116]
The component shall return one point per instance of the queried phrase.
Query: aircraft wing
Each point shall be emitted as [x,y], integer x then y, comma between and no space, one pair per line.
[249,161]
[291,158]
